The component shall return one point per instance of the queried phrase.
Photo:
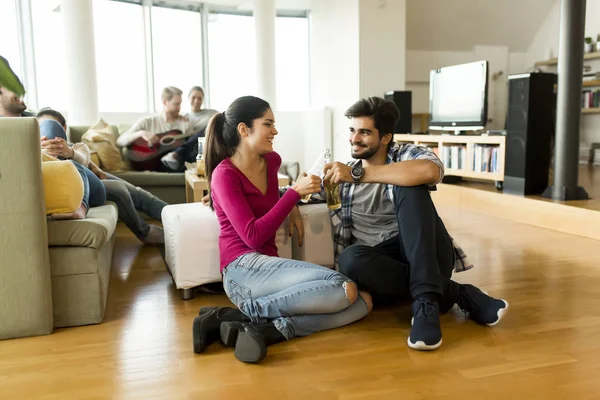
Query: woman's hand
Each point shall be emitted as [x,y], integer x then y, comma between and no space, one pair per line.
[57,147]
[97,171]
[296,221]
[307,185]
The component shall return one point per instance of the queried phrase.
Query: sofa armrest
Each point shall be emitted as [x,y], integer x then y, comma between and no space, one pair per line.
[25,288]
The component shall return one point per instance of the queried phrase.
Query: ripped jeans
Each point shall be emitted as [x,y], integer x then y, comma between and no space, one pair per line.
[300,298]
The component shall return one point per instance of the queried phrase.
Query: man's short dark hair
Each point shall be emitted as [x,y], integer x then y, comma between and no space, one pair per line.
[385,114]
[52,113]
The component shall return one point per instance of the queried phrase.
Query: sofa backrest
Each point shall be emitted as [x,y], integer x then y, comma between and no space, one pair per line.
[25,288]
[76,132]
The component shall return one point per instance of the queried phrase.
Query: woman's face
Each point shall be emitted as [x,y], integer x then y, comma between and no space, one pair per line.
[196,100]
[260,136]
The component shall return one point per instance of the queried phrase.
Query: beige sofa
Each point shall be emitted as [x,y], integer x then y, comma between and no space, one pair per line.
[169,187]
[52,273]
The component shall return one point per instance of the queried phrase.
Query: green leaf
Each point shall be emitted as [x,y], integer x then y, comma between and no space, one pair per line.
[9,79]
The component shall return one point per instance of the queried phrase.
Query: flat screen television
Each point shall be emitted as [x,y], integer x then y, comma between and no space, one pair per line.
[458,97]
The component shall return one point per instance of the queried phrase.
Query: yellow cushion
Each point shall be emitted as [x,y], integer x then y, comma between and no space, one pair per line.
[63,187]
[101,139]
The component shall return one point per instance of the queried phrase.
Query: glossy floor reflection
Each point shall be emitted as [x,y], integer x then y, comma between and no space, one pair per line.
[545,348]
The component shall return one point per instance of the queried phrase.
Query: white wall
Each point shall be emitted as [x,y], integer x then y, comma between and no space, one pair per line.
[358,49]
[382,43]
[334,63]
[546,41]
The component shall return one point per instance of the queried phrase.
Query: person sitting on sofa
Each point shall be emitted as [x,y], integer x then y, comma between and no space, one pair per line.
[388,235]
[146,129]
[277,299]
[198,118]
[94,195]
[128,198]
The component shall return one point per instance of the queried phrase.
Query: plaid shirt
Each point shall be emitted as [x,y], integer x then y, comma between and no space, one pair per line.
[342,217]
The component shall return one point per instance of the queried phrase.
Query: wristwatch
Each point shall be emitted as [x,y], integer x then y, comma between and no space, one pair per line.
[357,172]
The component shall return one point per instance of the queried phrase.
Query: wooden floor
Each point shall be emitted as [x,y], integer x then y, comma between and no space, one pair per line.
[589,179]
[548,346]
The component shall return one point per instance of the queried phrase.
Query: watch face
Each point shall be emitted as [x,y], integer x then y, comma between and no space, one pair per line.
[357,170]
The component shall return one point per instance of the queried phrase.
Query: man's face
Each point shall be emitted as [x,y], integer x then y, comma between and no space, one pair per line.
[364,138]
[173,106]
[11,102]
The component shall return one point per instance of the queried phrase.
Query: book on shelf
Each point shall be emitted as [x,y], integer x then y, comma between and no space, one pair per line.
[485,158]
[590,98]
[454,156]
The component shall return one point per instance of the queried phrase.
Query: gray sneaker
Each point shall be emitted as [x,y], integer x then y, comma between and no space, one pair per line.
[156,235]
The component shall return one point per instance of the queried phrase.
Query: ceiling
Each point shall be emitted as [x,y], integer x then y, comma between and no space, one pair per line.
[459,25]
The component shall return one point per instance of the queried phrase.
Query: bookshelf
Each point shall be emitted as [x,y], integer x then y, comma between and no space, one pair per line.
[554,61]
[586,84]
[471,155]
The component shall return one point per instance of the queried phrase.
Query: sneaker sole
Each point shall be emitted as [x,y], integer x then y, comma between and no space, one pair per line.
[420,345]
[501,313]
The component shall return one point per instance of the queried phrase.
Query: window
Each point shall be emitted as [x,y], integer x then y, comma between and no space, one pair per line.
[292,60]
[120,56]
[231,58]
[9,45]
[50,62]
[177,51]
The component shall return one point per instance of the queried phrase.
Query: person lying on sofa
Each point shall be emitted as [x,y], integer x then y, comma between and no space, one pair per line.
[198,118]
[277,299]
[146,129]
[94,195]
[127,197]
[388,236]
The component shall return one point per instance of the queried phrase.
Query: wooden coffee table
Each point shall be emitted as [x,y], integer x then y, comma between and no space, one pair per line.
[196,187]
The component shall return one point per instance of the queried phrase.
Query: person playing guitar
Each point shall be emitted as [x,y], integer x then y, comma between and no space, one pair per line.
[152,137]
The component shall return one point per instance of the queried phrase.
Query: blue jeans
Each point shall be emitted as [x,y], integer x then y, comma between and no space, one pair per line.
[301,298]
[129,199]
[94,194]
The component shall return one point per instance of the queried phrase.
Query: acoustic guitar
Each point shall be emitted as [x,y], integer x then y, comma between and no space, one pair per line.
[146,157]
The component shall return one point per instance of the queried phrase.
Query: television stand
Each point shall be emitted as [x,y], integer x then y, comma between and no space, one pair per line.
[473,158]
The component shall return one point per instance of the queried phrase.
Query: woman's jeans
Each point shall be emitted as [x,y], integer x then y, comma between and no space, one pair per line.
[301,298]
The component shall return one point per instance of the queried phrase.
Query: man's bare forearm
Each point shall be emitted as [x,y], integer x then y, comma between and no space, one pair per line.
[404,173]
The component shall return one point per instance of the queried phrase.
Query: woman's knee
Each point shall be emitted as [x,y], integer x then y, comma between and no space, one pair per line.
[351,291]
[367,299]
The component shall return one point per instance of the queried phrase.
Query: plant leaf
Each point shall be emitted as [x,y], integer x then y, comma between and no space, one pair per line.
[9,79]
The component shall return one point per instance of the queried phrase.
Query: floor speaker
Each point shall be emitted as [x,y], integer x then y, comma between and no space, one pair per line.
[403,100]
[529,132]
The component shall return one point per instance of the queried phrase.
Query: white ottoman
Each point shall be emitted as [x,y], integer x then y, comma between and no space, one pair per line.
[192,245]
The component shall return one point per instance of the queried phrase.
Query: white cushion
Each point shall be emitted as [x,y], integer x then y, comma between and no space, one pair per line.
[318,237]
[192,244]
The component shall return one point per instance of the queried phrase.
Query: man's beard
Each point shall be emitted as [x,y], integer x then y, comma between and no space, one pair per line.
[366,155]
[15,108]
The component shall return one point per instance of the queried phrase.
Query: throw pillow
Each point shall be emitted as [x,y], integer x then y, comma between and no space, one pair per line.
[63,187]
[101,139]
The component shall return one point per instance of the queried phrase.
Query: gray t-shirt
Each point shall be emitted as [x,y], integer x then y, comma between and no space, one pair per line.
[373,217]
[199,120]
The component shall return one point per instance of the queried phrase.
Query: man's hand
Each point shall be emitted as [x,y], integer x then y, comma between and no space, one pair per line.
[149,137]
[57,147]
[296,221]
[337,172]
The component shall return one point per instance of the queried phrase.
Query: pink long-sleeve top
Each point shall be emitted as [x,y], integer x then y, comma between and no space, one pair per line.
[248,218]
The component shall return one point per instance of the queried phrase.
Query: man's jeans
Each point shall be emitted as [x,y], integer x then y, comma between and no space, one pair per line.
[129,199]
[301,298]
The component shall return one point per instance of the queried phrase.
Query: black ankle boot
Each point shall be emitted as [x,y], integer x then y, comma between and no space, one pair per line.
[251,340]
[206,325]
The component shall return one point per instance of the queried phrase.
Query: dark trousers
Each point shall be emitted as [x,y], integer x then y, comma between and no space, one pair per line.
[419,260]
[189,150]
